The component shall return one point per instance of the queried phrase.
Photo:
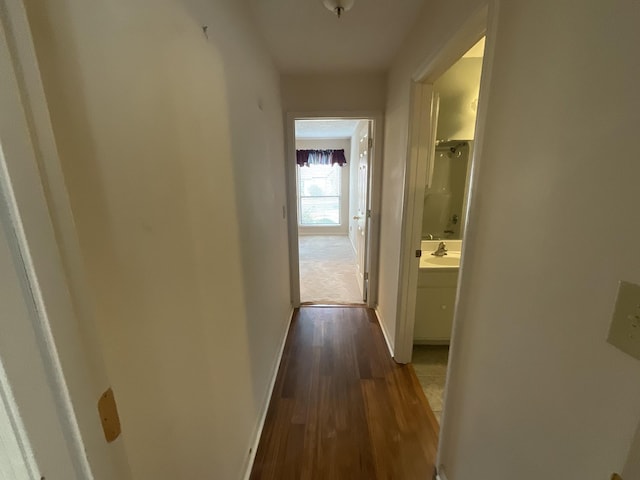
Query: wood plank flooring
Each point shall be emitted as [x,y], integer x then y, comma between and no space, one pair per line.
[342,408]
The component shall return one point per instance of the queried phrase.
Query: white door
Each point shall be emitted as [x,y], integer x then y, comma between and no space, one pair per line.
[362,193]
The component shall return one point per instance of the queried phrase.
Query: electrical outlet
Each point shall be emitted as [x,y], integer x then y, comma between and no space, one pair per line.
[624,332]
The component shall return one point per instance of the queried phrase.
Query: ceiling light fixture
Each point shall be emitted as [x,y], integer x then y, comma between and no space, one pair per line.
[338,6]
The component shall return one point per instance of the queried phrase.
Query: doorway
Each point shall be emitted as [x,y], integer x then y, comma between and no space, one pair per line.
[446,189]
[333,204]
[331,197]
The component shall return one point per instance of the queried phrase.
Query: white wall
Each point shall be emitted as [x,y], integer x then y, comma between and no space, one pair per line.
[552,322]
[171,147]
[334,92]
[65,332]
[535,387]
[331,144]
[458,88]
[535,391]
[433,27]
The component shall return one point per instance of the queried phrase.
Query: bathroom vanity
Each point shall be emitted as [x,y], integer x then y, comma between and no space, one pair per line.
[436,296]
[443,217]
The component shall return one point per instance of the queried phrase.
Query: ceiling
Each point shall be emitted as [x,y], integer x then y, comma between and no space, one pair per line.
[304,37]
[325,128]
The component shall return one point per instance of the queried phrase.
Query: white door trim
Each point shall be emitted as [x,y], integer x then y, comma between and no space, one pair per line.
[421,143]
[17,460]
[36,203]
[465,34]
[375,195]
[33,394]
[423,116]
[23,208]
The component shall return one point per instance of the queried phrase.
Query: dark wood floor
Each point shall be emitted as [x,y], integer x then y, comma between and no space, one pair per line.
[342,408]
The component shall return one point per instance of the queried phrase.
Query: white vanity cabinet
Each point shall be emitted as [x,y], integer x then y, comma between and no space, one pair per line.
[435,303]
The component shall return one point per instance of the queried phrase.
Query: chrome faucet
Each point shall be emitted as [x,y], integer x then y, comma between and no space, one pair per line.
[441,250]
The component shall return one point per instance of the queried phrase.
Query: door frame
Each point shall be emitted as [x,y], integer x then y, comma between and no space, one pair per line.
[374,193]
[421,145]
[44,245]
[36,436]
[482,22]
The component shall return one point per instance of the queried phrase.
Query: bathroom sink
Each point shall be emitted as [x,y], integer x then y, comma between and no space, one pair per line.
[451,260]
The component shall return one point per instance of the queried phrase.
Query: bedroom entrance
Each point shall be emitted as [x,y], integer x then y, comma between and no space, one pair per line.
[332,177]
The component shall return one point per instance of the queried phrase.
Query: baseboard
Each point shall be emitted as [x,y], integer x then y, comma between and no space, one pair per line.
[265,404]
[383,327]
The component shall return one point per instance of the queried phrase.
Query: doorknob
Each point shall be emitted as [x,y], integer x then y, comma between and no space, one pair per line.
[356,217]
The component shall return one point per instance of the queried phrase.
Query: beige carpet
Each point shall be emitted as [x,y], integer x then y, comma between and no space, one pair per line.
[430,364]
[328,270]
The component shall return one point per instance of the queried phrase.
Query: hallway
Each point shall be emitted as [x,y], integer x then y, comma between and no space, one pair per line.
[342,408]
[147,192]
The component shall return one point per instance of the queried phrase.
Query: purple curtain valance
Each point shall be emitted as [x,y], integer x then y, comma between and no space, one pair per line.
[320,157]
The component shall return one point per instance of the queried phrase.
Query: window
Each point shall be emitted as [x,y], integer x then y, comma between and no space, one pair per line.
[319,195]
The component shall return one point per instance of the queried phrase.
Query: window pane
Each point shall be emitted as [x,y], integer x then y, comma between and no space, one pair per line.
[320,211]
[319,181]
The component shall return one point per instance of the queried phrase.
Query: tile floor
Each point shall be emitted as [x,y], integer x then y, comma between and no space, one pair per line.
[430,365]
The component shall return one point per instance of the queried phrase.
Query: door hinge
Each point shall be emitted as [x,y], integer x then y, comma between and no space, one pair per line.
[366,275]
[418,253]
[370,142]
[368,213]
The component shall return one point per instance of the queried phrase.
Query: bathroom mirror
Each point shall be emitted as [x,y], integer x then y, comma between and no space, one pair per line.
[445,197]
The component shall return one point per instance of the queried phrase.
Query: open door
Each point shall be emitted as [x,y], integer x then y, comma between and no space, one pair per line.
[362,215]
